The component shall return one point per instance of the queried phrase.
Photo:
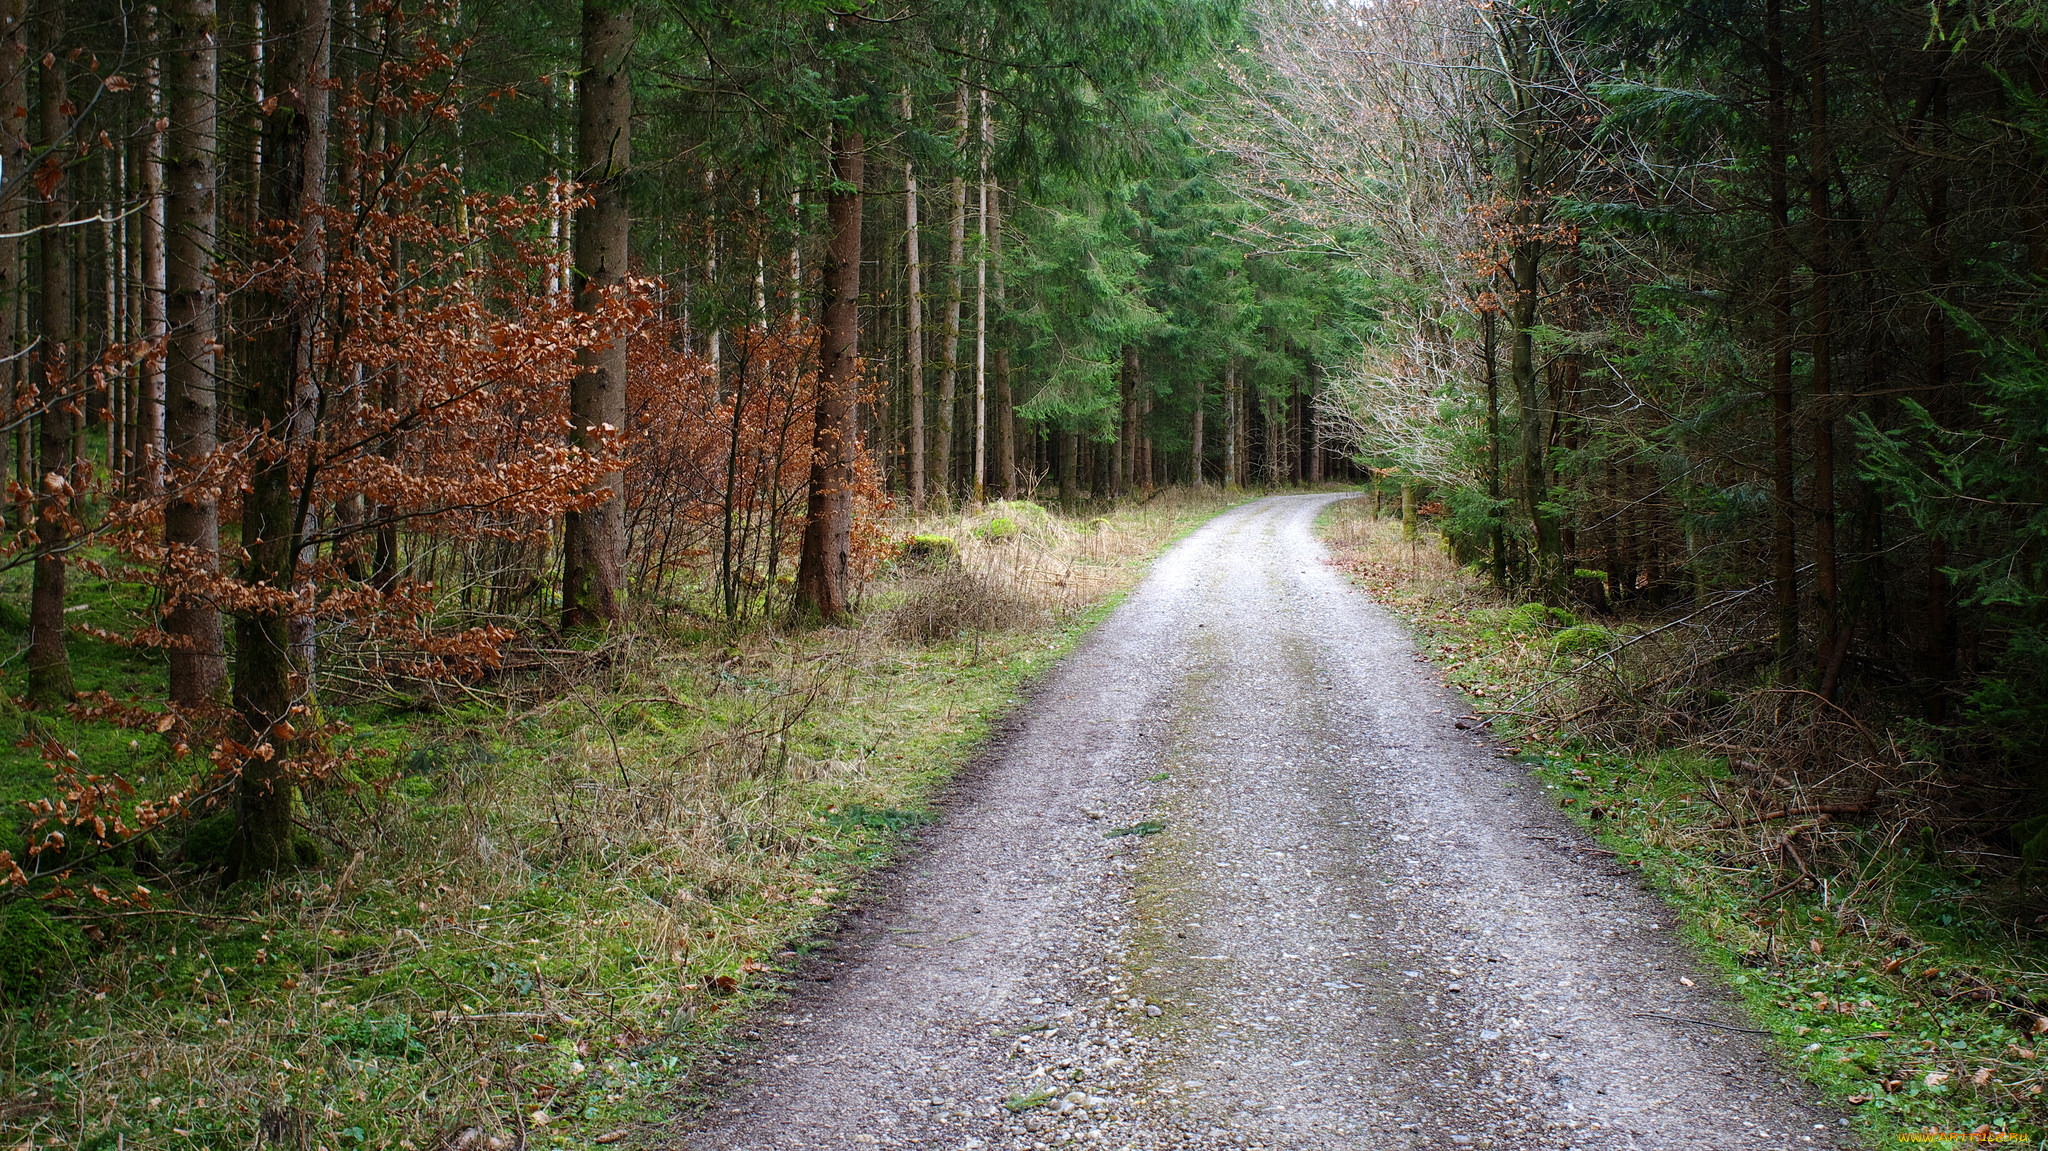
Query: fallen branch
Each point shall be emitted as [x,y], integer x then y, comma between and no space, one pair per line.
[1789,812]
[1695,1022]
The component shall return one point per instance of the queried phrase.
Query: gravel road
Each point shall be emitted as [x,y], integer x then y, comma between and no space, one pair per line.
[1335,920]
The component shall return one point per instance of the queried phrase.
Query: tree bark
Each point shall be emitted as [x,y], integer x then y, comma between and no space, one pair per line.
[198,661]
[594,540]
[981,318]
[913,339]
[1784,570]
[956,254]
[15,63]
[49,659]
[149,415]
[1489,326]
[1824,579]
[1230,422]
[292,182]
[824,570]
[1195,436]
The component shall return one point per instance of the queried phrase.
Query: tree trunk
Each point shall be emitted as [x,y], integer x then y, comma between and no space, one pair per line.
[981,319]
[1273,460]
[280,376]
[1195,436]
[198,663]
[1498,537]
[1824,580]
[49,660]
[1938,658]
[1784,569]
[956,254]
[913,339]
[1230,421]
[149,415]
[594,540]
[1313,420]
[15,63]
[1070,467]
[1006,400]
[823,579]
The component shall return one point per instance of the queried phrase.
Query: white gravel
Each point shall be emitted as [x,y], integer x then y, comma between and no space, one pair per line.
[1359,928]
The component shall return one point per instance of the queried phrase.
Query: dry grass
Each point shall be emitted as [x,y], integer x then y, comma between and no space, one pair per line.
[553,916]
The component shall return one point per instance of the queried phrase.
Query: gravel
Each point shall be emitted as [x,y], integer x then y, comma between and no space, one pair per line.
[1333,919]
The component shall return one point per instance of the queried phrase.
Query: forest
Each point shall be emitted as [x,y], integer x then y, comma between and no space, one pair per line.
[402,397]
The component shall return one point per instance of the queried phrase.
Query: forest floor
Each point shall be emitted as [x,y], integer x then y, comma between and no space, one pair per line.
[1241,875]
[543,909]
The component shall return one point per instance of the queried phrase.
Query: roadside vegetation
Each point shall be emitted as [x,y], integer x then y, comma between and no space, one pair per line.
[1877,925]
[550,911]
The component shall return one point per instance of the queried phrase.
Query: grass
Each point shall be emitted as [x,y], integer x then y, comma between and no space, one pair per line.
[1892,981]
[567,919]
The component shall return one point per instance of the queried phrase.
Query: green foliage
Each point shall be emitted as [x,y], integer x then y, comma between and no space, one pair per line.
[1981,484]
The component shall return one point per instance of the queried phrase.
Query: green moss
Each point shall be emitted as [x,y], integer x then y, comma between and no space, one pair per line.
[35,949]
[929,551]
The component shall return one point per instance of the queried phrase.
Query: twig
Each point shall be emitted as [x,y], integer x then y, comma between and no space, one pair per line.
[1695,1022]
[1788,812]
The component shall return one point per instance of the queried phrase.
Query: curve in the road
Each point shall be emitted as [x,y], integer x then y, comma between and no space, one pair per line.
[1356,927]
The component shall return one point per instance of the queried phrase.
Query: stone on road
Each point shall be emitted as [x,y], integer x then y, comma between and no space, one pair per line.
[1332,919]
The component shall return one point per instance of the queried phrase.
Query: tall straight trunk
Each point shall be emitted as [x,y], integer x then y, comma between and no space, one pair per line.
[1129,435]
[279,407]
[1230,422]
[824,581]
[956,248]
[1939,657]
[1526,266]
[149,413]
[15,63]
[1784,571]
[594,540]
[198,661]
[981,318]
[1316,467]
[1195,436]
[913,338]
[1006,400]
[1273,460]
[1498,538]
[1070,466]
[1818,170]
[49,660]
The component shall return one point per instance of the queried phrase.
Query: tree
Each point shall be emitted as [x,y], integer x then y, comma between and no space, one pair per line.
[192,624]
[270,672]
[58,376]
[593,547]
[824,576]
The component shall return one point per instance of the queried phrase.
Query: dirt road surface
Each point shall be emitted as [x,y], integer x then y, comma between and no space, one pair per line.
[1335,919]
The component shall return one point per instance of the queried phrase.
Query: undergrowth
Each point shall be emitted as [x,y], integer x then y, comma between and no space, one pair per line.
[1896,970]
[552,921]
